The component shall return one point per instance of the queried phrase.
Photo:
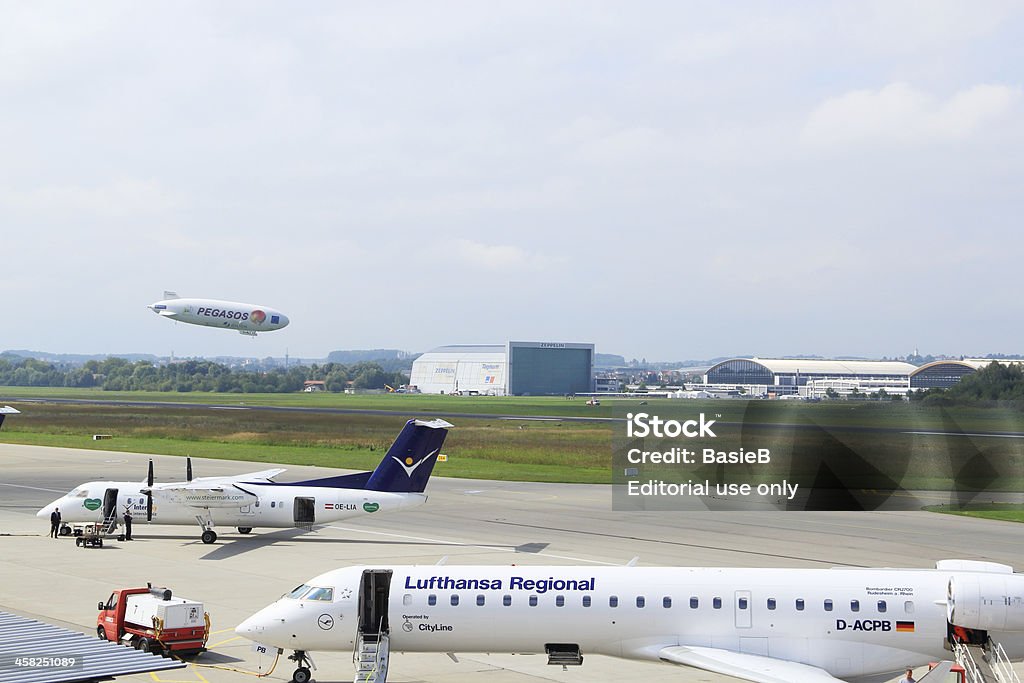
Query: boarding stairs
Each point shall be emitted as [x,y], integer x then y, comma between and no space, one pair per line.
[371,655]
[985,663]
[110,524]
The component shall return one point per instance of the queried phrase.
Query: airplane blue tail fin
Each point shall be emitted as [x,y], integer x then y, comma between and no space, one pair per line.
[411,458]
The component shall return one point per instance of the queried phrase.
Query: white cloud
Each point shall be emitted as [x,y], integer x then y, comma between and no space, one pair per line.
[121,198]
[492,256]
[901,114]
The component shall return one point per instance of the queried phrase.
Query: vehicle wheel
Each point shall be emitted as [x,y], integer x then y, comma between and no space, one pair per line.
[77,532]
[101,633]
[99,542]
[65,530]
[301,675]
[141,644]
[245,529]
[78,542]
[209,536]
[121,537]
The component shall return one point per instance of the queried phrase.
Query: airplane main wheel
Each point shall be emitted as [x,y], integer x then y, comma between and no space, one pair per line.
[209,536]
[301,675]
[244,529]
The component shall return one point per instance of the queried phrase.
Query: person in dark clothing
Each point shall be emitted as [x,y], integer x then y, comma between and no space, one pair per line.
[55,523]
[127,523]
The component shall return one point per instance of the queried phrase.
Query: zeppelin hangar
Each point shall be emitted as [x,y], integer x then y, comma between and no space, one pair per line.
[510,369]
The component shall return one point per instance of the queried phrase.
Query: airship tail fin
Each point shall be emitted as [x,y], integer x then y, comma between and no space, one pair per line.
[170,295]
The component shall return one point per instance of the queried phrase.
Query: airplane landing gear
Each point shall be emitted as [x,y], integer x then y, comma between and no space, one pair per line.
[244,529]
[302,674]
[209,535]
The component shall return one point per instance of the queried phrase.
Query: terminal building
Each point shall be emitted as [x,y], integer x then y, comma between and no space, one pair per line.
[806,377]
[510,369]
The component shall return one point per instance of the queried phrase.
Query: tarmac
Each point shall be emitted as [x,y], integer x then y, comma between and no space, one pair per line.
[467,521]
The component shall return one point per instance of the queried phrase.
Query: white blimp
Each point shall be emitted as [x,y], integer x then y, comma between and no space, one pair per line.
[232,315]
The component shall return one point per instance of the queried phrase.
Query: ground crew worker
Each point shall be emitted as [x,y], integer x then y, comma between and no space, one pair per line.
[127,523]
[55,523]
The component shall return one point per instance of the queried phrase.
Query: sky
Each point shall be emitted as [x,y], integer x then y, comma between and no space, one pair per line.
[667,180]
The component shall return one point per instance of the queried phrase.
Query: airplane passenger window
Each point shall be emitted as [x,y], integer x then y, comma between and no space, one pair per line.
[271,503]
[507,601]
[666,602]
[694,602]
[586,601]
[455,600]
[257,503]
[322,594]
[613,601]
[298,592]
[882,606]
[908,607]
[533,601]
[771,603]
[799,604]
[716,603]
[854,605]
[480,601]
[559,601]
[743,603]
[431,600]
[407,599]
[828,605]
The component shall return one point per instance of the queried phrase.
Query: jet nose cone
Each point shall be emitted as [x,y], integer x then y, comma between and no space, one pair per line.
[247,629]
[45,512]
[284,320]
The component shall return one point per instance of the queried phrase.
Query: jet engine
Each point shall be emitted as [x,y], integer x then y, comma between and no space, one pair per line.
[992,602]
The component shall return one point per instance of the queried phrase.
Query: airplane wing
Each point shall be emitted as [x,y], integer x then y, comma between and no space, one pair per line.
[259,477]
[747,667]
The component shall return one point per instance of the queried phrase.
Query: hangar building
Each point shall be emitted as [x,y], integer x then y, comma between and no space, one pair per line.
[786,376]
[514,368]
[945,373]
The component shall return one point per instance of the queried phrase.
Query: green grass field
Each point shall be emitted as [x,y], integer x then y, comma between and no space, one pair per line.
[1006,512]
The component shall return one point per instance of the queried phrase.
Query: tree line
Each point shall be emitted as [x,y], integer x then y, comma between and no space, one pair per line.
[995,383]
[118,374]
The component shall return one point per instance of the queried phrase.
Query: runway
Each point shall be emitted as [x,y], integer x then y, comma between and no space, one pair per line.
[468,521]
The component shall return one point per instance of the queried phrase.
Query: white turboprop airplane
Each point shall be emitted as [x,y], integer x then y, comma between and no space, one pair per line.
[232,315]
[764,625]
[253,500]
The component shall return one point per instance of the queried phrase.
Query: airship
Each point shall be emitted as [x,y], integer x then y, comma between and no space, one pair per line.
[230,315]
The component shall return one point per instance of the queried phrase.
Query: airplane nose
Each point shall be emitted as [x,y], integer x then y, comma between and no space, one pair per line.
[45,512]
[247,629]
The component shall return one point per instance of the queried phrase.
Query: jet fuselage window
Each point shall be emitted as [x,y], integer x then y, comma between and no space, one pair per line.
[586,601]
[321,594]
[407,599]
[271,503]
[641,601]
[882,607]
[666,602]
[613,601]
[431,600]
[559,601]
[799,604]
[533,601]
[480,600]
[716,603]
[854,605]
[771,603]
[743,603]
[828,605]
[455,600]
[694,602]
[506,600]
[908,607]
[298,592]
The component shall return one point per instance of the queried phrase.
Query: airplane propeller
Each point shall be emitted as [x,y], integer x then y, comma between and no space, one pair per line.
[149,493]
[188,468]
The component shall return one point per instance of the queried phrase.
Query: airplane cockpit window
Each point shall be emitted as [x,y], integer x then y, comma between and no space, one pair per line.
[298,592]
[321,594]
[79,493]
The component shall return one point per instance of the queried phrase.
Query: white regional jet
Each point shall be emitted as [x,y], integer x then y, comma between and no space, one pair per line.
[765,625]
[255,500]
[232,315]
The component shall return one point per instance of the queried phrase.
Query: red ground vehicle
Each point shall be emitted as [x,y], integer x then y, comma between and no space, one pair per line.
[151,619]
[956,672]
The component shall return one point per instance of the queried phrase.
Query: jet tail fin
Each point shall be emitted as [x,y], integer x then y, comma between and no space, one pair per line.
[5,411]
[409,462]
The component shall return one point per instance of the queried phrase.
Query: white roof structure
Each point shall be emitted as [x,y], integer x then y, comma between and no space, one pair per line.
[817,366]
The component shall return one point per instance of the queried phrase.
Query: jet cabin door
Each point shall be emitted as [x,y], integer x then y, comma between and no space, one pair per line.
[110,509]
[304,512]
[373,602]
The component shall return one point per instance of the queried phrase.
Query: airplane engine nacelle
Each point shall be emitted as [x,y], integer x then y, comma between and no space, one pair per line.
[991,602]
